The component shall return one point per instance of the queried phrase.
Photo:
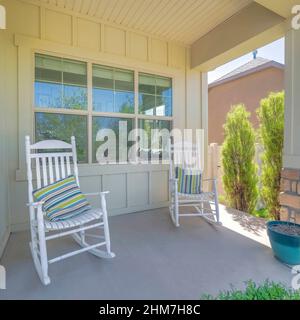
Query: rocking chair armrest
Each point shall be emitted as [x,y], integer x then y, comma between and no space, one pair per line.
[35,204]
[96,193]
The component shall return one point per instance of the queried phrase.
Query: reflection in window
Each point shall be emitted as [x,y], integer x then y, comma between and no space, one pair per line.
[112,123]
[62,127]
[155,95]
[113,90]
[60,83]
[157,145]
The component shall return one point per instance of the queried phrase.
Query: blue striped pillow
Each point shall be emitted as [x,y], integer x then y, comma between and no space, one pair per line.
[189,180]
[62,199]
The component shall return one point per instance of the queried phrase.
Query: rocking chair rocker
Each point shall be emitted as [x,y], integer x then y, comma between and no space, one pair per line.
[51,167]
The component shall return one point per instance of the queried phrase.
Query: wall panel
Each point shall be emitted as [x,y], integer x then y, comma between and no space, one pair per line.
[114,40]
[58,27]
[159,186]
[138,46]
[116,185]
[88,34]
[159,51]
[138,189]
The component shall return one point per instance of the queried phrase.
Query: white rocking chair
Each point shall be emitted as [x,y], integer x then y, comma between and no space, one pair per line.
[187,156]
[50,166]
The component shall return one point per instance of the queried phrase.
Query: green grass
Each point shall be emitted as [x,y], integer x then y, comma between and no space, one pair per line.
[266,291]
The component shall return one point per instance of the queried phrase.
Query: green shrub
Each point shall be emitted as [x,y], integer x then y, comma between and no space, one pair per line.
[266,291]
[222,199]
[271,117]
[239,168]
[262,213]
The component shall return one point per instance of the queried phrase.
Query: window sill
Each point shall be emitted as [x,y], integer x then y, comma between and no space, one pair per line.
[95,169]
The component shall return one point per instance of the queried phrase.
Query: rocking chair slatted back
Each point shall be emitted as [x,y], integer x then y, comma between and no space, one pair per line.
[186,155]
[49,166]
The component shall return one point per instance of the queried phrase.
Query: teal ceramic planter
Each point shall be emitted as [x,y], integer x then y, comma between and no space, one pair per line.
[285,247]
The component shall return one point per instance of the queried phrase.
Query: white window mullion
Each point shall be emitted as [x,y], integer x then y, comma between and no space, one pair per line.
[136,93]
[90,110]
[136,102]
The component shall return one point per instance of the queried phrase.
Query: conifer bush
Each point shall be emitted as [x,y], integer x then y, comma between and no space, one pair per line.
[238,160]
[271,117]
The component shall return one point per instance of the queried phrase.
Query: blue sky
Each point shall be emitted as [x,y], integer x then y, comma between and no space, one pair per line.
[273,51]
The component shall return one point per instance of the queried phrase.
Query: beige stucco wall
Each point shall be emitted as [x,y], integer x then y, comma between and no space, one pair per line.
[30,29]
[4,148]
[249,89]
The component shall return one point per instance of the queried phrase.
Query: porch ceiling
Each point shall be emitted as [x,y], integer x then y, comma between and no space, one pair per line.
[182,21]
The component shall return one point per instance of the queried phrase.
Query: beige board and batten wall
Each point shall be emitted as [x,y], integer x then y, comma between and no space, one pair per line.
[31,29]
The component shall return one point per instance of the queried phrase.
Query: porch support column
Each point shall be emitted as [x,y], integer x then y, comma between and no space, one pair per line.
[197,105]
[290,184]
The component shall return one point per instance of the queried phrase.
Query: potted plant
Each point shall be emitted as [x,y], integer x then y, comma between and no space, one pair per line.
[285,240]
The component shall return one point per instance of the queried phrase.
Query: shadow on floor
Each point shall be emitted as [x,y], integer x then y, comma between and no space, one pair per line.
[248,222]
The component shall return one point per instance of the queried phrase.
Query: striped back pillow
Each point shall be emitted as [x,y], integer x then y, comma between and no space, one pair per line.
[62,199]
[189,180]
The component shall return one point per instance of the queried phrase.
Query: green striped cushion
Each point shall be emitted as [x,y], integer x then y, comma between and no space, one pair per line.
[62,199]
[189,180]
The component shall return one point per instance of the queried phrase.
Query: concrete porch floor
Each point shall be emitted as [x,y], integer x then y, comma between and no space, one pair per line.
[154,260]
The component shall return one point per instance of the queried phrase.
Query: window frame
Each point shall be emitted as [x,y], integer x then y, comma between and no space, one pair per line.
[89,112]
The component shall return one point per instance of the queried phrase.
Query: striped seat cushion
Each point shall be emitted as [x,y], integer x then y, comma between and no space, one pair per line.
[189,180]
[62,199]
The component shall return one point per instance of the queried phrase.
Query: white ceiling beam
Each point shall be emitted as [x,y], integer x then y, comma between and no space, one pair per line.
[249,23]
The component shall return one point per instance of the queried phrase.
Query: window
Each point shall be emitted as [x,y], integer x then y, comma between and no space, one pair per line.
[61,86]
[112,123]
[158,143]
[155,95]
[62,108]
[60,83]
[113,90]
[62,127]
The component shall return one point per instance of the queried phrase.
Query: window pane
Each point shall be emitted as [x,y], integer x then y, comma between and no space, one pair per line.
[119,93]
[146,104]
[48,68]
[60,83]
[163,106]
[164,86]
[103,77]
[74,97]
[62,127]
[148,126]
[159,103]
[146,84]
[109,123]
[124,80]
[124,102]
[103,100]
[48,95]
[48,75]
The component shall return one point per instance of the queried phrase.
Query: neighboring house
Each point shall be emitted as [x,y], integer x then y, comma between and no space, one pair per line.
[247,84]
